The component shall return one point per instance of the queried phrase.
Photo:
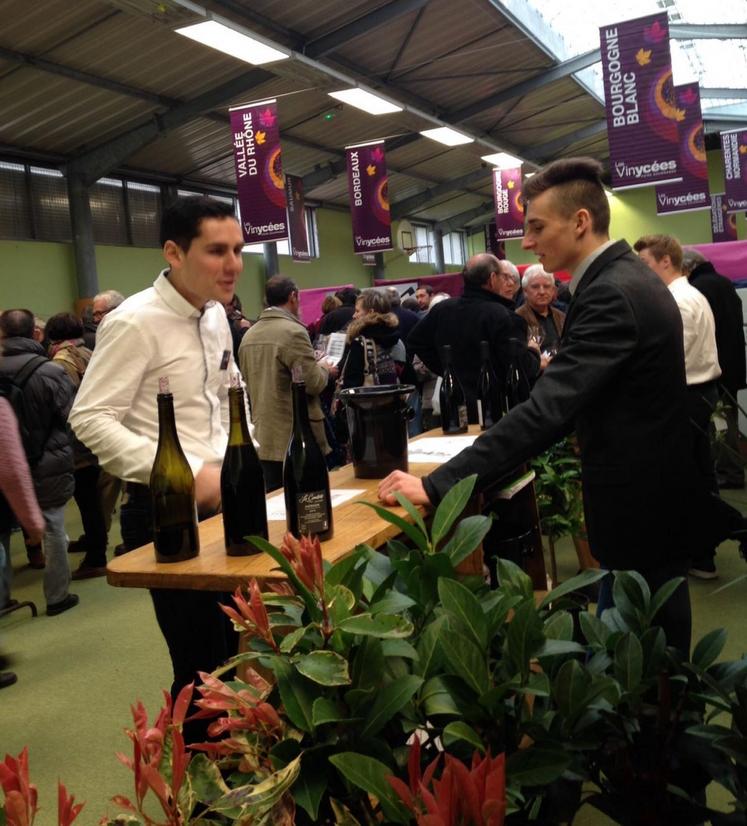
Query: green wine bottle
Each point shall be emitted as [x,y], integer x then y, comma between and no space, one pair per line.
[172,489]
[242,484]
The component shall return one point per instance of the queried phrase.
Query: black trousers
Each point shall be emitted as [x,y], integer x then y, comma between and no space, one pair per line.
[200,637]
[91,514]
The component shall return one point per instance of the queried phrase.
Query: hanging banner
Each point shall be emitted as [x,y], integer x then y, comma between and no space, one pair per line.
[368,185]
[734,151]
[723,223]
[509,210]
[492,244]
[642,113]
[259,172]
[692,192]
[297,236]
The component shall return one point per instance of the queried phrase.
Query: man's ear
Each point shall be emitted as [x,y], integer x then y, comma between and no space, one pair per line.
[173,253]
[583,222]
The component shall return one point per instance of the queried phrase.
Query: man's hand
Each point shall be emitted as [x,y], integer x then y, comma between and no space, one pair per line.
[332,369]
[207,489]
[411,487]
[34,533]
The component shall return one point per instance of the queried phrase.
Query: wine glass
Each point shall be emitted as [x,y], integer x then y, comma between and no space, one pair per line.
[536,335]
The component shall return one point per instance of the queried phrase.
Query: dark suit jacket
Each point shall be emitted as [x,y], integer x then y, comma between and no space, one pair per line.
[477,315]
[727,313]
[619,381]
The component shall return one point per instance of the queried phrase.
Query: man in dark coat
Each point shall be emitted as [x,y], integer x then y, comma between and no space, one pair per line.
[618,380]
[339,318]
[727,313]
[48,396]
[480,314]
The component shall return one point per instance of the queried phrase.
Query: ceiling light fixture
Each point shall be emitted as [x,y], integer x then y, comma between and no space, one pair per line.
[231,42]
[502,160]
[447,136]
[367,101]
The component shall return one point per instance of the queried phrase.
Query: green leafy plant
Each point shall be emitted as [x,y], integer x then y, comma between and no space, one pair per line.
[374,689]
[557,486]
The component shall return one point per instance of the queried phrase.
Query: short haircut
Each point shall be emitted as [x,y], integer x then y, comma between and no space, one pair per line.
[536,271]
[373,300]
[395,299]
[692,259]
[411,303]
[348,296]
[659,246]
[17,324]
[64,326]
[478,269]
[427,287]
[111,297]
[180,222]
[278,290]
[576,184]
[510,268]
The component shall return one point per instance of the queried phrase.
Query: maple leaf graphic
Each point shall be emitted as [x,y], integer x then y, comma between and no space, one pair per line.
[377,155]
[267,118]
[688,96]
[743,150]
[371,169]
[655,33]
[260,137]
[510,184]
[643,57]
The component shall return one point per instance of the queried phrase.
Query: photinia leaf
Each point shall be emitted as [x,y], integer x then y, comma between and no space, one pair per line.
[384,626]
[324,667]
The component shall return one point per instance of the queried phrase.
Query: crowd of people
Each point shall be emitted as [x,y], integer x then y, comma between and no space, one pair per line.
[634,356]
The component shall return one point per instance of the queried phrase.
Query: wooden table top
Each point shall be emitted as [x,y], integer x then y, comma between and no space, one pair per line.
[214,570]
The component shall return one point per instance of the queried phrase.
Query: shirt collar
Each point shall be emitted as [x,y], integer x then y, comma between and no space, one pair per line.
[581,269]
[177,302]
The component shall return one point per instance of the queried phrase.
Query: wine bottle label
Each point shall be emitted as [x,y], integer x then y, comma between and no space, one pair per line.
[462,412]
[313,516]
[480,419]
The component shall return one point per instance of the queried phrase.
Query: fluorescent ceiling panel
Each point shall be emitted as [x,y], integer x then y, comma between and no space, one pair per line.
[229,41]
[447,136]
[367,101]
[502,160]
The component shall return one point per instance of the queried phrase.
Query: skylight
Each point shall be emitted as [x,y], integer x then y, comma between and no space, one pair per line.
[568,28]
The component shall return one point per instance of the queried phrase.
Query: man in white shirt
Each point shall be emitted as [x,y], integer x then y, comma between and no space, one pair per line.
[177,329]
[663,254]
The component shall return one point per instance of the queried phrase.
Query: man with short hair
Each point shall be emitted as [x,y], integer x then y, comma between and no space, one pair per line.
[728,315]
[510,280]
[663,254]
[407,318]
[104,303]
[481,313]
[47,396]
[423,296]
[273,345]
[537,309]
[176,329]
[618,380]
[339,318]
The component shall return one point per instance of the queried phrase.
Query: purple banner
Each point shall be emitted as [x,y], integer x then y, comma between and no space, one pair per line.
[259,171]
[723,223]
[734,150]
[368,184]
[509,210]
[642,111]
[692,192]
[297,235]
[492,242]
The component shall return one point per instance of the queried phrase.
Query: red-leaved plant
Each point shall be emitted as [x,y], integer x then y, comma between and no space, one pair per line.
[20,806]
[461,797]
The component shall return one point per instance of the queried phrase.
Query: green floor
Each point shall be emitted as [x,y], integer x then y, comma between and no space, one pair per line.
[79,672]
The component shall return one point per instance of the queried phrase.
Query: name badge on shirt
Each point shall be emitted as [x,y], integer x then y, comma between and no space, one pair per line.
[225,359]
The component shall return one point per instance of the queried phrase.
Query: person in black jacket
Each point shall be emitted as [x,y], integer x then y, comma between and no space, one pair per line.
[480,314]
[618,380]
[48,397]
[338,319]
[727,313]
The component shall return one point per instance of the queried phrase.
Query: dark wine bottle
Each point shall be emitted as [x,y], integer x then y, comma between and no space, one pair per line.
[488,398]
[515,390]
[242,484]
[308,504]
[451,395]
[172,489]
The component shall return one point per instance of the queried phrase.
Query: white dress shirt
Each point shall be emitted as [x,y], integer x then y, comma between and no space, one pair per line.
[156,333]
[699,328]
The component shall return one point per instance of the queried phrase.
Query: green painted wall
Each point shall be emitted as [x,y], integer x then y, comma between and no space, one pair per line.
[41,276]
